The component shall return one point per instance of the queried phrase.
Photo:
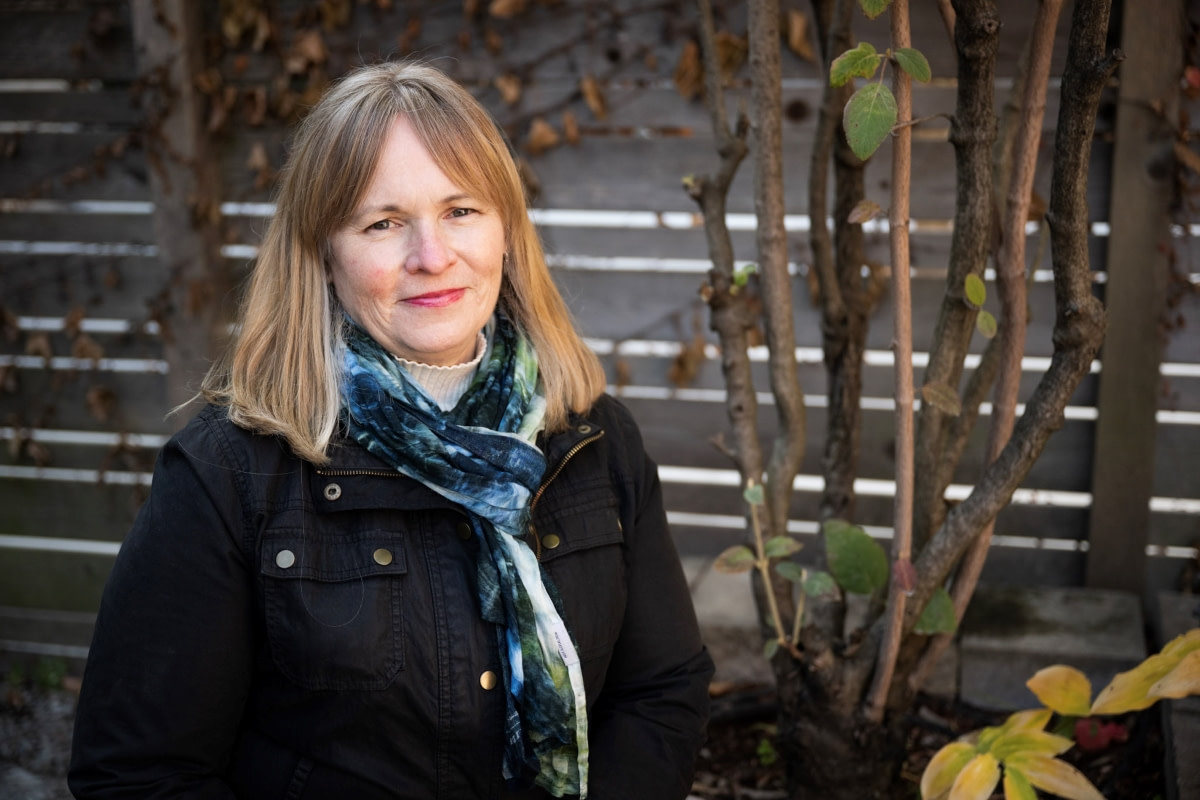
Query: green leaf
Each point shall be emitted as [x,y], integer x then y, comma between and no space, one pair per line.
[985,323]
[780,547]
[770,648]
[1017,786]
[733,560]
[1030,742]
[869,118]
[914,63]
[861,62]
[873,8]
[942,397]
[938,616]
[819,582]
[1056,777]
[791,571]
[753,494]
[976,290]
[741,275]
[858,563]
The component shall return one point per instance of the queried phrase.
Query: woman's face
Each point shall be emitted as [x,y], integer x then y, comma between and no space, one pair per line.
[418,265]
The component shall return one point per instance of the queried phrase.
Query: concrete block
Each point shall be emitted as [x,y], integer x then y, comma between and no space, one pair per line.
[1011,632]
[1178,613]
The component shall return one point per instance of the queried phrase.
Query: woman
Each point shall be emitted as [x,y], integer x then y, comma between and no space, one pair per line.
[410,549]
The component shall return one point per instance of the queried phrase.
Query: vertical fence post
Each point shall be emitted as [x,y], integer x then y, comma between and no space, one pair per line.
[1139,246]
[185,184]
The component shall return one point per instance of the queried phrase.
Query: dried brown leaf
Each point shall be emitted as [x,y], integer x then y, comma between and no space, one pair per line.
[510,87]
[493,42]
[687,363]
[256,106]
[407,40]
[1037,207]
[624,373]
[8,379]
[689,72]
[529,179]
[798,40]
[1187,157]
[72,321]
[335,14]
[87,348]
[263,32]
[308,49]
[38,453]
[594,97]
[570,128]
[541,137]
[38,344]
[9,324]
[504,9]
[731,54]
[100,402]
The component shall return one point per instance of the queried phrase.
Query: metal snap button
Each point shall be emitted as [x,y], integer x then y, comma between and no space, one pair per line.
[584,428]
[488,680]
[464,531]
[382,556]
[333,491]
[284,559]
[551,541]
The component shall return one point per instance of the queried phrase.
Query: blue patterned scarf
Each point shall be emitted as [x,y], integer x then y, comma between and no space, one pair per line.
[482,455]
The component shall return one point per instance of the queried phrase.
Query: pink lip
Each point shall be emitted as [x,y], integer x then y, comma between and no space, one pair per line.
[436,299]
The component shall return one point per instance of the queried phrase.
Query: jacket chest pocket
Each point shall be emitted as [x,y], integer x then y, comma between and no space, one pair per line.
[581,540]
[334,608]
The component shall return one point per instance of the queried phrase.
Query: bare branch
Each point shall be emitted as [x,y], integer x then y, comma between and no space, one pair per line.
[889,650]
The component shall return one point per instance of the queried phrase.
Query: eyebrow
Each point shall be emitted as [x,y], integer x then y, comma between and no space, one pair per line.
[391,208]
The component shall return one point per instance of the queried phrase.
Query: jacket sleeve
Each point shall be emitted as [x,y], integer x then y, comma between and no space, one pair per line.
[170,663]
[649,721]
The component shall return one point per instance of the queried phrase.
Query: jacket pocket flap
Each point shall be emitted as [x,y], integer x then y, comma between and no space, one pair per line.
[359,555]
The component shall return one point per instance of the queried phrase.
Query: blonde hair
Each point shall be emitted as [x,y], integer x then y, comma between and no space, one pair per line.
[281,374]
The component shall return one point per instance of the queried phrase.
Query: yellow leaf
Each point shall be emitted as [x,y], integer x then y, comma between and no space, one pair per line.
[943,768]
[977,780]
[1063,689]
[1183,644]
[1054,776]
[1016,785]
[1129,691]
[1034,720]
[570,128]
[1182,681]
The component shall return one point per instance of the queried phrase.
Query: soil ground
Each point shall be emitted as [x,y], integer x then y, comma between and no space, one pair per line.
[738,762]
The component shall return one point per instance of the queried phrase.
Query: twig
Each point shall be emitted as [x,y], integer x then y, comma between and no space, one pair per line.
[889,649]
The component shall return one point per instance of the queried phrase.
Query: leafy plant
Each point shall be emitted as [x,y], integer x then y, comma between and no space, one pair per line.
[1027,754]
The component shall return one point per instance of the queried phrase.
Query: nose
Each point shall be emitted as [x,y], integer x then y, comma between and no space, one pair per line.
[428,250]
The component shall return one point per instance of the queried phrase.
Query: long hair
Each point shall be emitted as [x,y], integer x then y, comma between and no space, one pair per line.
[282,372]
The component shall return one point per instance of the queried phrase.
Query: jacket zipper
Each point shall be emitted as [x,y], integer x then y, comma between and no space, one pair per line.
[346,473]
[541,489]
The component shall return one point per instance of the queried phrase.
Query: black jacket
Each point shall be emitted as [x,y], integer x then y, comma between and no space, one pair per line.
[272,629]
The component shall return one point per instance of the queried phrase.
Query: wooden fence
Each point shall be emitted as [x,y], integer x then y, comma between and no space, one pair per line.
[85,368]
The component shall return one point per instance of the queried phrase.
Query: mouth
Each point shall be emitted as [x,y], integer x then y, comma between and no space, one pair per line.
[435,299]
